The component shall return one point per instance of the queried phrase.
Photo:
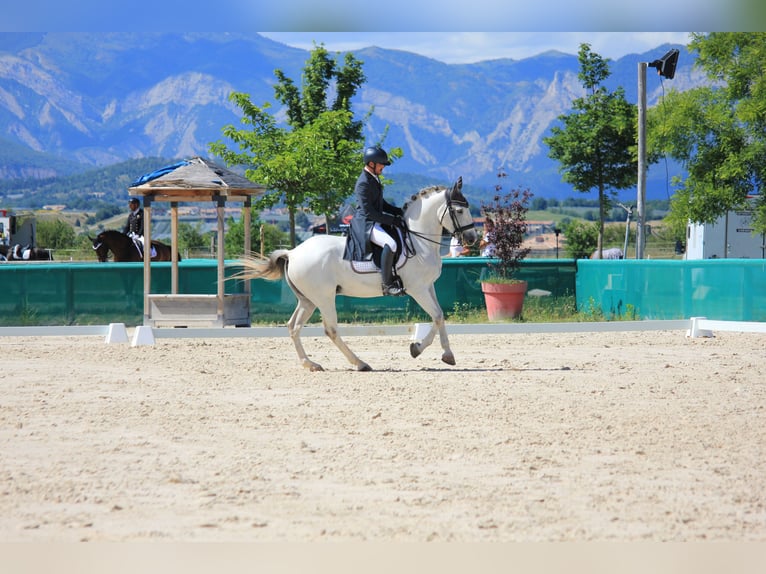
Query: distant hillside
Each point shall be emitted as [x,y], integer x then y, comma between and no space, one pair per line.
[18,161]
[73,102]
[90,190]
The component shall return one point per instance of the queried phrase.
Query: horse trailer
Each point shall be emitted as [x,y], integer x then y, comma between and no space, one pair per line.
[729,237]
[15,229]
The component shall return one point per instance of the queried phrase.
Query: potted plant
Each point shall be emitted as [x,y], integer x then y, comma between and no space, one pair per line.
[506,224]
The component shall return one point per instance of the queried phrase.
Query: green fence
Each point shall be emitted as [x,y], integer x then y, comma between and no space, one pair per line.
[101,293]
[721,289]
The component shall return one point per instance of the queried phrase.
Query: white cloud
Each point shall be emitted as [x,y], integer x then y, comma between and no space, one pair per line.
[469,47]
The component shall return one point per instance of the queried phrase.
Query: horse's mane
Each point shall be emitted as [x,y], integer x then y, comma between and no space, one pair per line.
[422,194]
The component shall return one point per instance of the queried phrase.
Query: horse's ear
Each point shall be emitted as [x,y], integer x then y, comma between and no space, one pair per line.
[456,189]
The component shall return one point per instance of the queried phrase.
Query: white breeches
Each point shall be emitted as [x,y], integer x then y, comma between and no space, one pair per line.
[380,237]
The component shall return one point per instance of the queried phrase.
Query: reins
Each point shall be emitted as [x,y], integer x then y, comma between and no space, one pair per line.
[409,247]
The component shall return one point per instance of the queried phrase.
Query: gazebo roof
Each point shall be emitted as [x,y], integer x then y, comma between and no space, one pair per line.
[194,178]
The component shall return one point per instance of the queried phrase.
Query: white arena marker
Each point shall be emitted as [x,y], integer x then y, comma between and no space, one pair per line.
[143,336]
[421,330]
[696,330]
[117,333]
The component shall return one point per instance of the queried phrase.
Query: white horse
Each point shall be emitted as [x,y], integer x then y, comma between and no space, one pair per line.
[316,271]
[613,253]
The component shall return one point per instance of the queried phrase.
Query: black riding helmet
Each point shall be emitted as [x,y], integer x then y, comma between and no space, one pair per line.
[376,155]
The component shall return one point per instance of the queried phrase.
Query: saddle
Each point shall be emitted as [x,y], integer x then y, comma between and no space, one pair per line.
[21,253]
[371,261]
[138,242]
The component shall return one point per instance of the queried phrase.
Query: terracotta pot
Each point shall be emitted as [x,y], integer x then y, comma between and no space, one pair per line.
[504,300]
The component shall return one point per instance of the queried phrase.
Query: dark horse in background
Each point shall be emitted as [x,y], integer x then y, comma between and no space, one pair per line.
[123,248]
[21,253]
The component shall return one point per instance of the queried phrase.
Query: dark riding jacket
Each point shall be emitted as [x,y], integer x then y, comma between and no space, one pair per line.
[135,223]
[371,208]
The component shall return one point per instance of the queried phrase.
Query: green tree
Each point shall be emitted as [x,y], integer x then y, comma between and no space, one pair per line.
[581,238]
[313,162]
[273,237]
[55,234]
[191,237]
[717,131]
[596,146]
[318,75]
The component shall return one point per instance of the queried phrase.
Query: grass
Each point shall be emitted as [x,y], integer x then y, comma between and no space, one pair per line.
[544,310]
[536,310]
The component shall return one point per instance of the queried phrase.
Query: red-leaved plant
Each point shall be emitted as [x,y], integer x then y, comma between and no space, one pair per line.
[508,213]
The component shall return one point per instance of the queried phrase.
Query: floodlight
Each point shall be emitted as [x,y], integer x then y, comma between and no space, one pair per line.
[666,66]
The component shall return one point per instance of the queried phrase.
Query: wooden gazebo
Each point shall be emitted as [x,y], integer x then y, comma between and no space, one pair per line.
[195,179]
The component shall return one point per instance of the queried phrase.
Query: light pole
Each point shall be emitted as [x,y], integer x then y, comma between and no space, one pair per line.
[629,211]
[666,67]
[641,160]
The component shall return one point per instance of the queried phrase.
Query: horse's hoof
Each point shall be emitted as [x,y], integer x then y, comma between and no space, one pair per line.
[364,367]
[448,358]
[314,367]
[415,350]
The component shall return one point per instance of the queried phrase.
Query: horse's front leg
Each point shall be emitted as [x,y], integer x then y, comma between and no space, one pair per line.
[430,304]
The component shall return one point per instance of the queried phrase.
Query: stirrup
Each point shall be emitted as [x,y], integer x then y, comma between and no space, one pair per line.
[395,288]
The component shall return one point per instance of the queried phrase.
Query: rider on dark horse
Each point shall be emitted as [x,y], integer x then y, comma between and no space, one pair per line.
[134,226]
[371,213]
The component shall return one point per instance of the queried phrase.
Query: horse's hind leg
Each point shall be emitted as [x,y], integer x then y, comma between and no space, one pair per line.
[299,317]
[332,332]
[330,322]
[302,314]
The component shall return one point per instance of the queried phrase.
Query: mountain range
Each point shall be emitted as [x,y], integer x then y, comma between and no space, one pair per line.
[72,102]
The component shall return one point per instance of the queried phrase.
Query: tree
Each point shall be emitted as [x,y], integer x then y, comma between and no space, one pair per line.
[273,237]
[191,237]
[718,131]
[597,144]
[581,239]
[315,160]
[55,234]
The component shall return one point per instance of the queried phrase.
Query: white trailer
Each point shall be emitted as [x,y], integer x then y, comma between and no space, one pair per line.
[730,237]
[17,229]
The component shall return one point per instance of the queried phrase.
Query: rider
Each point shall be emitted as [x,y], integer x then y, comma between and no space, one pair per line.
[134,226]
[372,211]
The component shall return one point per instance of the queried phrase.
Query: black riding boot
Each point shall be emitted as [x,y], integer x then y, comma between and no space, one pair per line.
[390,287]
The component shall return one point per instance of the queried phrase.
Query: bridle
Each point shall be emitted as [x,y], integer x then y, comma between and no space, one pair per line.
[457,228]
[102,254]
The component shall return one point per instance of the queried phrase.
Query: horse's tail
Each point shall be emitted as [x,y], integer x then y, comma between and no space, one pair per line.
[271,267]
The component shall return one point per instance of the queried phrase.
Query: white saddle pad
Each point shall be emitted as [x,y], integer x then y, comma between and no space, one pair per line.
[369,266]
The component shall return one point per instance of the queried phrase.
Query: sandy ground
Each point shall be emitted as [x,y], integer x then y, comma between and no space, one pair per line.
[642,436]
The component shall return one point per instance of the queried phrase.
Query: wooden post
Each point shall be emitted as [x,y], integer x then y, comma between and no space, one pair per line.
[174,247]
[147,255]
[246,221]
[220,203]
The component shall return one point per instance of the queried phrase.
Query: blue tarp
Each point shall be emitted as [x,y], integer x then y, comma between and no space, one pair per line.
[158,173]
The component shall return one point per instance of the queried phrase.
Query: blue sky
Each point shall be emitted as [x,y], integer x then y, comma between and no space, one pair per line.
[469,47]
[392,15]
